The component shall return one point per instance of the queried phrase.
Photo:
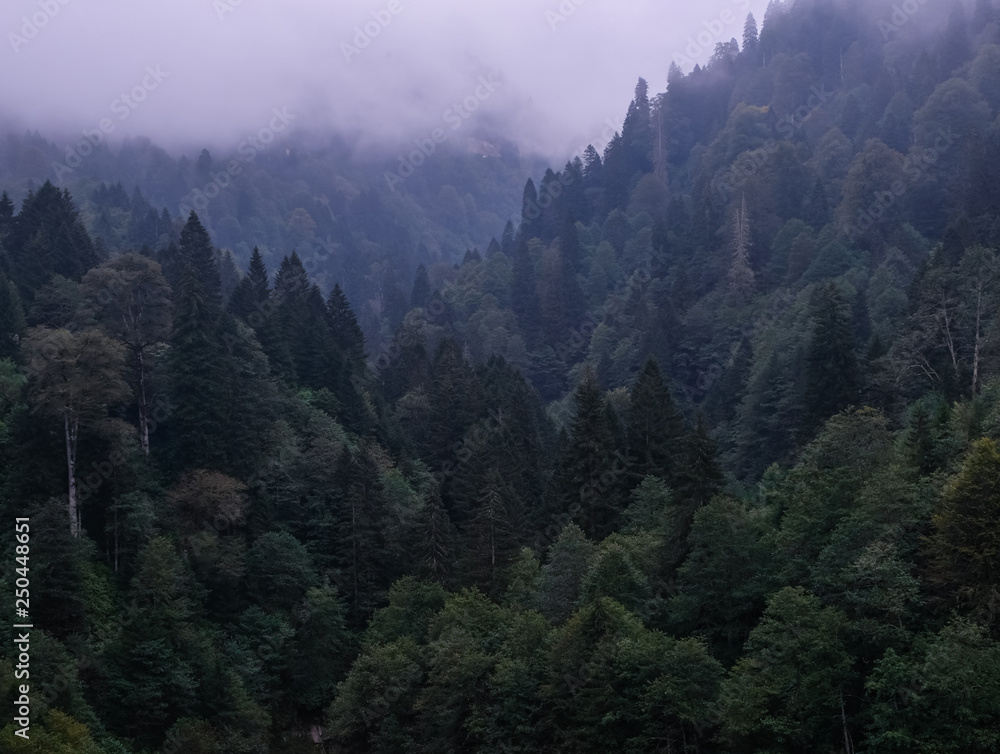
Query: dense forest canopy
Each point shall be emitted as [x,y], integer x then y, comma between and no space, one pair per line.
[698,451]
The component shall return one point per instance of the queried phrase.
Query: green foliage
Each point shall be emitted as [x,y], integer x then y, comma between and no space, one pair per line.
[787,692]
[942,697]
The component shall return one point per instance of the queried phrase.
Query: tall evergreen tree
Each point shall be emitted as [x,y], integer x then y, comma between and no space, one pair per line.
[531,216]
[656,430]
[750,37]
[197,368]
[591,474]
[831,364]
[422,287]
[524,296]
[196,251]
[12,322]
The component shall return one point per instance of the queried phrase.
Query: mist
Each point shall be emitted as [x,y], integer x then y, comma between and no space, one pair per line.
[551,76]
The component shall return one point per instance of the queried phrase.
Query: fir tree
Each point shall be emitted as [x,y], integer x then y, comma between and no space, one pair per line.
[591,474]
[422,287]
[524,297]
[741,276]
[656,431]
[831,364]
[750,37]
[196,252]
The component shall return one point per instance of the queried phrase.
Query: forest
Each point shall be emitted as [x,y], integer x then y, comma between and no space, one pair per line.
[689,445]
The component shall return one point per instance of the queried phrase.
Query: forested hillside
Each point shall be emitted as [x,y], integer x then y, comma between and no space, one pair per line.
[698,454]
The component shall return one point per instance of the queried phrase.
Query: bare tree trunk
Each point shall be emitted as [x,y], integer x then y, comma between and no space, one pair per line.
[71,429]
[979,331]
[848,748]
[140,374]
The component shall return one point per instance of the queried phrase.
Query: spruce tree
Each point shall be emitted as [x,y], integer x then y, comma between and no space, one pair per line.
[750,37]
[592,473]
[524,297]
[12,322]
[531,223]
[656,430]
[422,288]
[197,369]
[196,252]
[831,365]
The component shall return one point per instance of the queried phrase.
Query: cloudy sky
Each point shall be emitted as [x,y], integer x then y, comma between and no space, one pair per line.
[207,72]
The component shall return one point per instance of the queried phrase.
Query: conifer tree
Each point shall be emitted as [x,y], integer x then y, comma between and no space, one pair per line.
[422,287]
[12,323]
[700,476]
[531,225]
[741,275]
[750,37]
[197,252]
[196,362]
[656,431]
[436,539]
[591,473]
[508,239]
[831,364]
[524,296]
[346,333]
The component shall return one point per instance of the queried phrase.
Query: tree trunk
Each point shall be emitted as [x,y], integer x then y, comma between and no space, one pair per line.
[979,331]
[71,429]
[140,375]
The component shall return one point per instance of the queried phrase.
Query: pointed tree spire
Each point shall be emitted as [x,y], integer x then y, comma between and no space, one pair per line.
[258,276]
[656,430]
[742,280]
[197,253]
[750,37]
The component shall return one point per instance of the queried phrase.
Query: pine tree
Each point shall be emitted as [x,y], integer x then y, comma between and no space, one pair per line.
[593,168]
[12,323]
[656,431]
[508,239]
[346,333]
[531,215]
[490,535]
[48,238]
[592,472]
[434,548]
[741,276]
[196,367]
[422,287]
[700,475]
[750,36]
[637,135]
[831,365]
[361,554]
[524,297]
[197,252]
